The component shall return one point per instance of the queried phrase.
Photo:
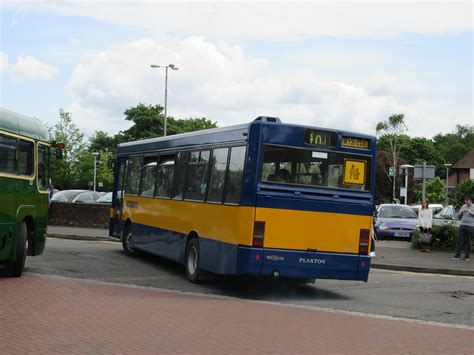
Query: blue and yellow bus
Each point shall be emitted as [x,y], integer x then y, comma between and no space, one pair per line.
[24,177]
[264,198]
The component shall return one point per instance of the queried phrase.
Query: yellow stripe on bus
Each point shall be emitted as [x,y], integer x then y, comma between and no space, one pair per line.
[284,229]
[231,224]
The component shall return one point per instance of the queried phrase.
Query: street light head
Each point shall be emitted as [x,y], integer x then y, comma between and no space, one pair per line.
[95,154]
[447,165]
[154,66]
[172,66]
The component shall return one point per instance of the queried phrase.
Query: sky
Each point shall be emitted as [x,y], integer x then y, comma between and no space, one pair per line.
[341,65]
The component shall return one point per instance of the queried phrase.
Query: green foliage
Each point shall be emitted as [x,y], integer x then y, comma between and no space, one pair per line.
[65,172]
[445,237]
[466,188]
[453,146]
[416,239]
[435,190]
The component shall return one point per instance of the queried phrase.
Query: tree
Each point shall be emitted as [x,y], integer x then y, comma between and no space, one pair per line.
[453,146]
[148,122]
[435,190]
[392,129]
[466,188]
[65,173]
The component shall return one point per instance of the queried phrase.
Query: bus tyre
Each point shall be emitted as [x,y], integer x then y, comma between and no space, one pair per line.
[191,263]
[127,245]
[18,265]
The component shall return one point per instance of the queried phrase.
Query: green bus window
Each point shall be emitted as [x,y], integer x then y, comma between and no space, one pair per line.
[7,155]
[43,164]
[25,158]
[179,176]
[196,181]
[148,176]
[234,180]
[218,168]
[133,175]
[164,176]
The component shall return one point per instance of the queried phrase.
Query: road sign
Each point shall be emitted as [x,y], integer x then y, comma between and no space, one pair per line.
[391,171]
[429,172]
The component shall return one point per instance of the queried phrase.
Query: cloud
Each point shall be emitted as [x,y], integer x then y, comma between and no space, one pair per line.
[273,20]
[220,82]
[29,68]
[3,62]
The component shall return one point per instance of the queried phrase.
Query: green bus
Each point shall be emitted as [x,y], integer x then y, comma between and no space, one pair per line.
[24,182]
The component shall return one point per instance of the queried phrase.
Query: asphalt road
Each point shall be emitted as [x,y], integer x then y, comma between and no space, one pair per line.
[426,297]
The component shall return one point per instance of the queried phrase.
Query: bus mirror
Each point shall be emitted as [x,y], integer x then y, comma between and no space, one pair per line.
[111,163]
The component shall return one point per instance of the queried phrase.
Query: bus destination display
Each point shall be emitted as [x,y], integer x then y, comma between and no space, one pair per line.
[355,142]
[318,137]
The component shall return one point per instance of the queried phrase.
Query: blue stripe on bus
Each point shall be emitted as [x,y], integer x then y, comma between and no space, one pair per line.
[228,259]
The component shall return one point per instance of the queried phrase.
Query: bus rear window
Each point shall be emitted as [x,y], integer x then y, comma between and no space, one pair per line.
[315,168]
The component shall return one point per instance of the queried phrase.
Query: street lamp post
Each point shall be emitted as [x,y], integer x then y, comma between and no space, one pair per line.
[447,165]
[172,66]
[95,154]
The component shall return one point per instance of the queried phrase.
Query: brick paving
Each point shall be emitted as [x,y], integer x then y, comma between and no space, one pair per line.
[43,314]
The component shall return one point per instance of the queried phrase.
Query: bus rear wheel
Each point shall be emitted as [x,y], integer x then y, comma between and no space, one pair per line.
[191,262]
[18,265]
[127,245]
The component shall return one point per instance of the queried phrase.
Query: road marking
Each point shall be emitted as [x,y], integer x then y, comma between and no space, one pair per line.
[312,308]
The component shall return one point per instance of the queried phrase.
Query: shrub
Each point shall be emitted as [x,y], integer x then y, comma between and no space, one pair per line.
[445,237]
[415,239]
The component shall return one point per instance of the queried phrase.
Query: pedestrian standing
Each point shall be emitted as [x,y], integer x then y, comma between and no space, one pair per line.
[425,217]
[466,229]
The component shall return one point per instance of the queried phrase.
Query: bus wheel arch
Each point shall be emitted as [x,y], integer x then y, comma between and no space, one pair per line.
[127,244]
[17,266]
[30,225]
[191,257]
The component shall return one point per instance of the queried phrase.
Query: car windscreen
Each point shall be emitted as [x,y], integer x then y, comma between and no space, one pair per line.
[315,168]
[66,196]
[396,212]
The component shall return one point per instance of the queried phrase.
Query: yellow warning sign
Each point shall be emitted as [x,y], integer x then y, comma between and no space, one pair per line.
[354,172]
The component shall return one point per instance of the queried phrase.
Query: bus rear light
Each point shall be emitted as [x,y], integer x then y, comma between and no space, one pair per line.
[364,238]
[258,234]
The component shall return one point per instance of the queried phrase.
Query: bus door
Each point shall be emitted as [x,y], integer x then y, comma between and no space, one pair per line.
[119,193]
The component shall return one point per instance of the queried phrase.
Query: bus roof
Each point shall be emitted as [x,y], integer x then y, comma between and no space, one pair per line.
[205,136]
[23,125]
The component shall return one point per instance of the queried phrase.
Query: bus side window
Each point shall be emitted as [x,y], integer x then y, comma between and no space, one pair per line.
[7,155]
[179,176]
[133,175]
[196,180]
[164,175]
[148,176]
[234,175]
[43,171]
[25,158]
[218,169]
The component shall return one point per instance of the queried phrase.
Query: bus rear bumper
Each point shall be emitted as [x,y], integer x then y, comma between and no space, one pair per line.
[302,264]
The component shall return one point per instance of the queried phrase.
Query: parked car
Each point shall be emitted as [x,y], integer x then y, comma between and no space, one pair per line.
[436,207]
[107,198]
[446,216]
[76,196]
[395,221]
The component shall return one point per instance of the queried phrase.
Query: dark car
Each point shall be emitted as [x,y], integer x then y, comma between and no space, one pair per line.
[77,196]
[395,221]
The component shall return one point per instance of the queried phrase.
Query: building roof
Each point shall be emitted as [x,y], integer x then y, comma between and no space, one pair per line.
[466,162]
[23,125]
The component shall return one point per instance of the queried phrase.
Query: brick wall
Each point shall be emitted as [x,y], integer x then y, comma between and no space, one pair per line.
[85,215]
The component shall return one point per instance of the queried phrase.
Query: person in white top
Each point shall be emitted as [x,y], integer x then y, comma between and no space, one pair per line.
[425,216]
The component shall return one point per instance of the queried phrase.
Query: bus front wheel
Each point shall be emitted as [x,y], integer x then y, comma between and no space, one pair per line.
[191,263]
[18,264]
[127,245]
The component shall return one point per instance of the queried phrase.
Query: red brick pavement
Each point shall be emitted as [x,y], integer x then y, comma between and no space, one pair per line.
[40,315]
